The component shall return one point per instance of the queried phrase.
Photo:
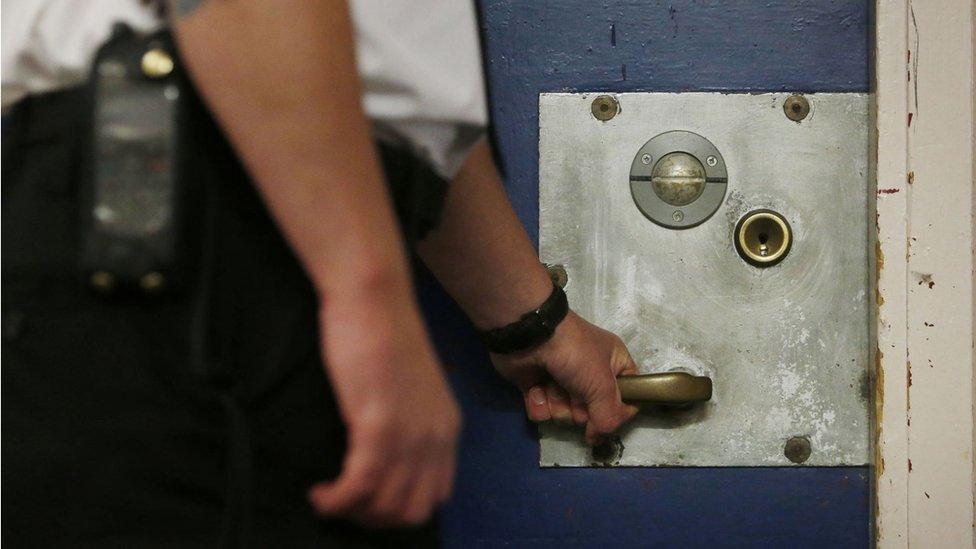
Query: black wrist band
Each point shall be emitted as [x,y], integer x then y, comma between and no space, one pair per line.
[534,328]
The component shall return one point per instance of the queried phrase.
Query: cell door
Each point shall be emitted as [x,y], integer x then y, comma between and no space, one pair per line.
[717,221]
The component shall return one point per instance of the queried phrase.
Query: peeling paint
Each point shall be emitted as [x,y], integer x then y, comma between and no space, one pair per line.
[878,413]
[879,463]
[879,266]
[913,63]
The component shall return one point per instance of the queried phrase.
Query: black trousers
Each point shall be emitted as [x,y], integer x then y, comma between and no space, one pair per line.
[110,438]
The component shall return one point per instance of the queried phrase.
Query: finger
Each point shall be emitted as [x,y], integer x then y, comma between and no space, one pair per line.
[596,434]
[578,409]
[424,499]
[447,476]
[629,412]
[607,412]
[627,365]
[353,489]
[536,404]
[391,497]
[559,404]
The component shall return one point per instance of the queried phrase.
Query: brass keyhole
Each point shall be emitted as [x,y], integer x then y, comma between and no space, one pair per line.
[763,244]
[763,238]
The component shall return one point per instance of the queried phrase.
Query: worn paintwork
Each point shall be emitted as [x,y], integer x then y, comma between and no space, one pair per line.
[503,499]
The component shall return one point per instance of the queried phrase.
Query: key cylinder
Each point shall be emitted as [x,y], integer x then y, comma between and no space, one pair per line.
[763,238]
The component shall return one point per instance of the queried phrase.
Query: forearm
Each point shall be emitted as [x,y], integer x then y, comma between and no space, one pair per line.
[480,251]
[483,257]
[282,81]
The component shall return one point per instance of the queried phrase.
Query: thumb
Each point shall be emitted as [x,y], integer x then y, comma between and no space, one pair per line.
[607,412]
[537,404]
[347,492]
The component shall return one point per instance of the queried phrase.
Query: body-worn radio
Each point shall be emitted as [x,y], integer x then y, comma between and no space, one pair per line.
[134,194]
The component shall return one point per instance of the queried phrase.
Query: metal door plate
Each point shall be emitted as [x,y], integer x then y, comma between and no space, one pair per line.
[787,347]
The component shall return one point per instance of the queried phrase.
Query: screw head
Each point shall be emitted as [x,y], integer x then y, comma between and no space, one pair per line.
[711,160]
[678,215]
[604,107]
[102,282]
[558,275]
[646,158]
[797,449]
[609,451]
[796,107]
[152,282]
[157,63]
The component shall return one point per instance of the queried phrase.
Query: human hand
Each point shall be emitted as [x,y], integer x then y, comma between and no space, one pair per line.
[402,419]
[571,378]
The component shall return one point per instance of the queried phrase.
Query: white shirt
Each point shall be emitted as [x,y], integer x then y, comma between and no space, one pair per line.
[419,61]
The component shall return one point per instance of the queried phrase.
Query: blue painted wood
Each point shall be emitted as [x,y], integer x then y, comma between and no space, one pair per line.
[531,46]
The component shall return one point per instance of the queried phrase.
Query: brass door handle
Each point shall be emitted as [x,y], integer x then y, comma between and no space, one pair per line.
[674,388]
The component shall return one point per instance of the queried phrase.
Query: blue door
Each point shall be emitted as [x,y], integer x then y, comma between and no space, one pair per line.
[503,498]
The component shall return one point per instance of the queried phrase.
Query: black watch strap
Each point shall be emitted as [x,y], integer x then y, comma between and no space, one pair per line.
[534,328]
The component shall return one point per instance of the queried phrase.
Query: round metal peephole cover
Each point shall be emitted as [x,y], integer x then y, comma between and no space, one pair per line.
[678,179]
[763,238]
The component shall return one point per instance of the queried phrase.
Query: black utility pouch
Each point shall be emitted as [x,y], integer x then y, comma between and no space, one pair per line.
[134,193]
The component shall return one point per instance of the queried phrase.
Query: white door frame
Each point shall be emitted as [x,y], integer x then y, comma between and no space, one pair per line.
[924,438]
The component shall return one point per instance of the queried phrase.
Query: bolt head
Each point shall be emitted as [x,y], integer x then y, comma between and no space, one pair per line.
[646,159]
[797,449]
[609,452]
[796,107]
[102,282]
[152,282]
[711,160]
[678,215]
[604,107]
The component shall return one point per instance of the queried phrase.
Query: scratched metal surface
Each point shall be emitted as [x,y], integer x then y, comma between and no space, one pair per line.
[786,346]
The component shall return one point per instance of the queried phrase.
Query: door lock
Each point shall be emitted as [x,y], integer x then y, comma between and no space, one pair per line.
[763,238]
